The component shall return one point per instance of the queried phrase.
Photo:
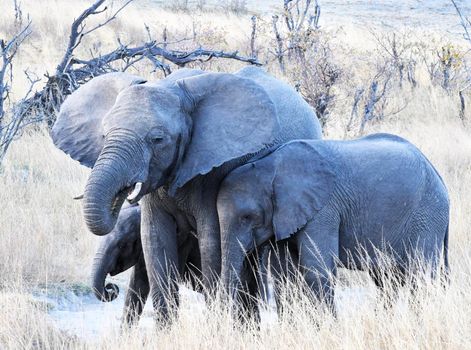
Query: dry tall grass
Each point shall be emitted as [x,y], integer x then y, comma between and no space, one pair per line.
[44,239]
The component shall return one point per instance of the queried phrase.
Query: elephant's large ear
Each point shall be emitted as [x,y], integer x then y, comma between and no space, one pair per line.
[78,130]
[232,117]
[303,184]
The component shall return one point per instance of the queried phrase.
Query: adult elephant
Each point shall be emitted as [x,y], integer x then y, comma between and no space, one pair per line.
[171,143]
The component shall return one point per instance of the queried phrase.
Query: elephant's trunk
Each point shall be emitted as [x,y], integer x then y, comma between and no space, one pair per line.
[118,168]
[108,292]
[232,268]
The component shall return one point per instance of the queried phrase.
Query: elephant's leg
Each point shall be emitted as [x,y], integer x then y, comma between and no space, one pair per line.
[264,255]
[190,262]
[209,240]
[318,246]
[388,283]
[159,244]
[193,267]
[250,293]
[283,268]
[137,293]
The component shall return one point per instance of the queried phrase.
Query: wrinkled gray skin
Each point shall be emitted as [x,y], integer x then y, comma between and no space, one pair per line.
[179,136]
[335,201]
[120,250]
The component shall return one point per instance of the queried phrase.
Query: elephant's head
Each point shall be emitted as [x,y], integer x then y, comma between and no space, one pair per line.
[274,196]
[139,136]
[117,252]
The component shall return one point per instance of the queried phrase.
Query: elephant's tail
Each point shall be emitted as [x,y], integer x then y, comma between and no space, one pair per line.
[446,264]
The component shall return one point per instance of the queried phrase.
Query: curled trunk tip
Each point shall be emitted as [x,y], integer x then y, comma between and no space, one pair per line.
[110,292]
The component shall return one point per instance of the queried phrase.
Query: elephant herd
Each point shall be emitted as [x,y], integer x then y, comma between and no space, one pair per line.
[194,174]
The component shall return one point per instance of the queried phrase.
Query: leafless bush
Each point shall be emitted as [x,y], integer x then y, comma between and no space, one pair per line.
[465,21]
[9,127]
[371,98]
[401,52]
[18,13]
[304,53]
[445,64]
[302,19]
[448,67]
[316,75]
[278,51]
[449,63]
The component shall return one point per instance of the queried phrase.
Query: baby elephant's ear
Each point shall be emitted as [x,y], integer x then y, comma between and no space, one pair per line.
[303,184]
[78,130]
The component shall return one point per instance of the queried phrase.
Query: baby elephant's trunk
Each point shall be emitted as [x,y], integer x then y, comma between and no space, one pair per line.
[105,293]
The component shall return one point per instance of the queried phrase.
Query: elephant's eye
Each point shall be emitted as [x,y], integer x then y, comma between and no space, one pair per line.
[245,218]
[157,139]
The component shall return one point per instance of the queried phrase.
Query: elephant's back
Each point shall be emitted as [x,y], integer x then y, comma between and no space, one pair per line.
[399,197]
[392,151]
[297,119]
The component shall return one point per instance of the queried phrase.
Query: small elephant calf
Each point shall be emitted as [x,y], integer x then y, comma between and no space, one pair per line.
[118,251]
[121,249]
[336,201]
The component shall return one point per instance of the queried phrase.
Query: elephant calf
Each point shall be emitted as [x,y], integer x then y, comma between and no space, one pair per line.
[121,249]
[336,201]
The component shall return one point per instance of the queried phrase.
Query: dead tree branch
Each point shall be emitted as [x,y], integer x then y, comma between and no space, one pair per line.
[375,96]
[77,30]
[354,114]
[279,43]
[465,21]
[73,71]
[8,50]
[253,35]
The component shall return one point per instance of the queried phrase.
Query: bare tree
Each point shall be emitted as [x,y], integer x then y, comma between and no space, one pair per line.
[279,53]
[448,58]
[303,52]
[375,98]
[466,25]
[371,99]
[316,76]
[253,35]
[301,18]
[8,49]
[398,48]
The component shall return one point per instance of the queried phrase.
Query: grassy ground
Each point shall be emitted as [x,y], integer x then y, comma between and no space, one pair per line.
[44,239]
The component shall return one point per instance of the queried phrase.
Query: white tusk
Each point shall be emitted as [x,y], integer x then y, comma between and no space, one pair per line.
[80,196]
[135,192]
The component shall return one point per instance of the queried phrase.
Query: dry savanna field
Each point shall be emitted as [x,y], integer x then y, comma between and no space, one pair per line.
[45,243]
